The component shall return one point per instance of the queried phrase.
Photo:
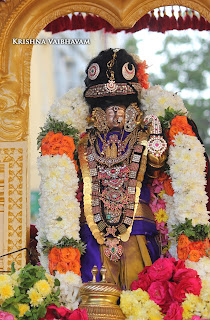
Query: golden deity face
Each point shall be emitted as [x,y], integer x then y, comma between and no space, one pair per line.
[115,116]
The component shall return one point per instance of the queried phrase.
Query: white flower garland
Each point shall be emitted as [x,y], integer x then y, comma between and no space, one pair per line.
[155,100]
[70,284]
[187,166]
[71,109]
[187,170]
[59,209]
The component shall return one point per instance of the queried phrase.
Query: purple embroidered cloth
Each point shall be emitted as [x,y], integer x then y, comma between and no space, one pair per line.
[92,255]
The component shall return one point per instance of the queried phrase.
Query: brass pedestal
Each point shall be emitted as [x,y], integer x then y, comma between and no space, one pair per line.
[100,298]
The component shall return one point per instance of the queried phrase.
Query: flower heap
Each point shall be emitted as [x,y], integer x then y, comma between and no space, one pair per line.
[167,290]
[59,243]
[27,293]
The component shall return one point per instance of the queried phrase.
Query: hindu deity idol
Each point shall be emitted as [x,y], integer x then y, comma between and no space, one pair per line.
[119,155]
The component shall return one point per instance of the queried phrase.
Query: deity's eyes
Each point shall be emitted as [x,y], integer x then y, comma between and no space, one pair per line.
[127,73]
[93,71]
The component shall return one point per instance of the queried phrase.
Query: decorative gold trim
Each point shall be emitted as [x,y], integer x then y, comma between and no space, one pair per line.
[87,190]
[13,159]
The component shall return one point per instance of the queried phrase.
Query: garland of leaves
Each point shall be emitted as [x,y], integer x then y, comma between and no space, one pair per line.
[63,243]
[194,233]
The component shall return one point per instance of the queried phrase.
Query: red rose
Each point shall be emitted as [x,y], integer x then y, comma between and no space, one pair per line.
[187,285]
[159,293]
[143,283]
[162,269]
[135,285]
[179,265]
[174,312]
[181,274]
[171,288]
[79,314]
[144,271]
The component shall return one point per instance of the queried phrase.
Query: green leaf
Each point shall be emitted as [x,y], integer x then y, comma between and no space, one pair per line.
[13,267]
[41,312]
[17,291]
[57,282]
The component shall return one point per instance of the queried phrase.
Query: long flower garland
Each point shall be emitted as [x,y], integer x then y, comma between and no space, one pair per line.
[58,227]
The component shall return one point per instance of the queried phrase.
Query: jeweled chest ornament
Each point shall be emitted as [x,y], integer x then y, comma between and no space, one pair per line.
[114,250]
[114,186]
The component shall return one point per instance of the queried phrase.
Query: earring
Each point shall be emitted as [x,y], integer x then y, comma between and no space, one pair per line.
[99,118]
[132,115]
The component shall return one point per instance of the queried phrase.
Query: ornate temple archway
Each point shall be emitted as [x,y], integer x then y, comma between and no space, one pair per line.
[24,19]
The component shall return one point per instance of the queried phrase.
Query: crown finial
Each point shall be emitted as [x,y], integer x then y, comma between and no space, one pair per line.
[103,273]
[94,272]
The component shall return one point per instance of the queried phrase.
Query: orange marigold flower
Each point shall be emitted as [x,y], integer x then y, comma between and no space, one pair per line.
[57,143]
[142,75]
[52,267]
[54,255]
[179,124]
[183,253]
[196,245]
[62,267]
[179,121]
[68,254]
[206,247]
[168,187]
[78,255]
[183,241]
[194,255]
[75,267]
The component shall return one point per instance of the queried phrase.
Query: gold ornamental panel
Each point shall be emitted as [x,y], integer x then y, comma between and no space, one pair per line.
[13,163]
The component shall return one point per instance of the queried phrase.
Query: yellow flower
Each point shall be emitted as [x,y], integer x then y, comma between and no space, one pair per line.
[161,216]
[6,291]
[161,193]
[140,295]
[43,287]
[50,279]
[23,308]
[4,277]
[35,297]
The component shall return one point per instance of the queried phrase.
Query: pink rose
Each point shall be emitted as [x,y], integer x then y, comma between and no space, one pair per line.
[174,312]
[161,269]
[181,274]
[6,316]
[159,293]
[187,285]
[143,283]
